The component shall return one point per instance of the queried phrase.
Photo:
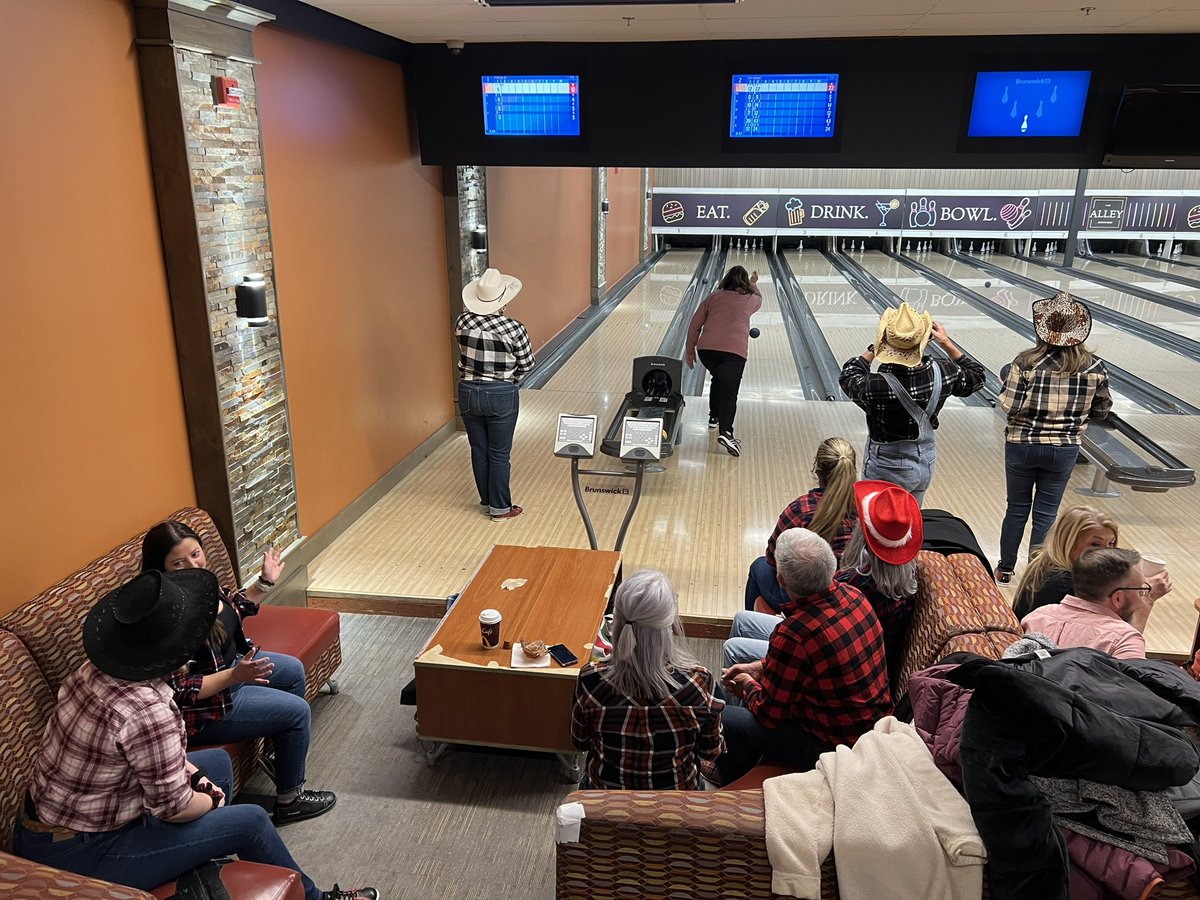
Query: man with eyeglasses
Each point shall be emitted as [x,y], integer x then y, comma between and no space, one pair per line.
[1108,610]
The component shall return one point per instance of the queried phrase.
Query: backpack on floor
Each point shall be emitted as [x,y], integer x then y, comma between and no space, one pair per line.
[202,883]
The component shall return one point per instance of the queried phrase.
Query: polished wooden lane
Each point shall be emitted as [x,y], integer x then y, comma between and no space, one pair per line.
[635,328]
[706,518]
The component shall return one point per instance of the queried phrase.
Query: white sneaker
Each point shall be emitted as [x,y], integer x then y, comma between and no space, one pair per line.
[731,444]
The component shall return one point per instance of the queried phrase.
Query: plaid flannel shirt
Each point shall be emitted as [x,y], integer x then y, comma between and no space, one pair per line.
[1045,406]
[637,746]
[492,348]
[825,668]
[887,419]
[209,660]
[798,514]
[112,751]
[893,613]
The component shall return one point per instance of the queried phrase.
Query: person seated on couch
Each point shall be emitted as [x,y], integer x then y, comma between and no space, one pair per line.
[1108,610]
[113,794]
[823,681]
[827,509]
[228,693]
[880,560]
[647,719]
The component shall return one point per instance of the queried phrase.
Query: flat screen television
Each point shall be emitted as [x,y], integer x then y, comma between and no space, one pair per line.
[1156,125]
[1027,104]
[783,106]
[531,105]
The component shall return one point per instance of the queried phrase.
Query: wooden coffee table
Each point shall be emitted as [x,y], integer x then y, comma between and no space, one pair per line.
[469,695]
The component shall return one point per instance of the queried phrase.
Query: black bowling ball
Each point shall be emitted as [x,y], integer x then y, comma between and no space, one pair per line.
[987,284]
[754,332]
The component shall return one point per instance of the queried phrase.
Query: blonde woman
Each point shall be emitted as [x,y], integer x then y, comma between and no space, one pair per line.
[1048,577]
[1050,393]
[827,510]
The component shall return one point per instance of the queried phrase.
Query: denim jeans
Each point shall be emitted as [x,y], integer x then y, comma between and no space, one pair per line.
[746,742]
[906,463]
[1037,476]
[762,582]
[489,412]
[278,711]
[149,852]
[726,370]
[749,637]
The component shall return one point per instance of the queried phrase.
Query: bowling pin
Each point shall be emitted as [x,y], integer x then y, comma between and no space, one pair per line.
[908,247]
[971,248]
[862,245]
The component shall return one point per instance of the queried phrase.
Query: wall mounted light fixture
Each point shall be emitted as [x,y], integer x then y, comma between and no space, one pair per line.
[251,297]
[604,206]
[479,238]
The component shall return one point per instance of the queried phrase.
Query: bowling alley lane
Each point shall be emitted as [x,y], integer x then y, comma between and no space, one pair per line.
[770,367]
[1160,367]
[990,341]
[1189,267]
[1147,279]
[603,363]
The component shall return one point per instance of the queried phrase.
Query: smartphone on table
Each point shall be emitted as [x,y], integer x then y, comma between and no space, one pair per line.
[563,656]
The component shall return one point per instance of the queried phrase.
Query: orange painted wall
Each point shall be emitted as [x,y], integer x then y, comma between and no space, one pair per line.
[624,226]
[360,267]
[539,229]
[95,445]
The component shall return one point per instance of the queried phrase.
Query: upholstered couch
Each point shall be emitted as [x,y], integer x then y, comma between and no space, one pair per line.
[711,846]
[41,643]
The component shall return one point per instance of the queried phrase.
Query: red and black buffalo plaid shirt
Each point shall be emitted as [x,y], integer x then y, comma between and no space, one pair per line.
[209,660]
[798,514]
[825,668]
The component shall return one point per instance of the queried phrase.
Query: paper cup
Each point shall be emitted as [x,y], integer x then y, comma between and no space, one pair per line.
[489,628]
[1152,565]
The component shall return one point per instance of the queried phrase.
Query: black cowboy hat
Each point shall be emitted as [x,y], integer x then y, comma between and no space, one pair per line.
[152,625]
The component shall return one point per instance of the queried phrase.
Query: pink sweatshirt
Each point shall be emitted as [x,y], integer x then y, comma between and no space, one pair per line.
[722,322]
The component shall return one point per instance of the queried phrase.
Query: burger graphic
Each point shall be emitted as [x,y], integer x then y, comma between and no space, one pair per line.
[672,211]
[1193,216]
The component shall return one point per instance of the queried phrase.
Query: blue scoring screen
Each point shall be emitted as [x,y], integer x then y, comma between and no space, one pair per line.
[1028,104]
[531,105]
[783,106]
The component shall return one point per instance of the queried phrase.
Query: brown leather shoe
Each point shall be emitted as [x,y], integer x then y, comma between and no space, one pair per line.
[511,514]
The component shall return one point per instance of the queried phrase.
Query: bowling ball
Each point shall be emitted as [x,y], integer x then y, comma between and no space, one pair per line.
[754,332]
[987,284]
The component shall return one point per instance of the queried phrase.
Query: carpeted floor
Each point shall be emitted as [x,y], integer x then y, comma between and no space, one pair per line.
[478,826]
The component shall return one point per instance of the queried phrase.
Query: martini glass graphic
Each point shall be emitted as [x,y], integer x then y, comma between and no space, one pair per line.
[884,209]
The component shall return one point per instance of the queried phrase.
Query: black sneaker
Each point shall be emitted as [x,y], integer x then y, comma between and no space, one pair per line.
[307,805]
[713,422]
[731,444]
[266,762]
[356,894]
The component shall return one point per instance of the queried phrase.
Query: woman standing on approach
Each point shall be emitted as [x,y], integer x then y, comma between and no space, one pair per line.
[720,334]
[827,509]
[493,355]
[1050,393]
[647,718]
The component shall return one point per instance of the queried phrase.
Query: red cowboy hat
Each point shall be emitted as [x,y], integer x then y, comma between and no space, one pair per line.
[890,519]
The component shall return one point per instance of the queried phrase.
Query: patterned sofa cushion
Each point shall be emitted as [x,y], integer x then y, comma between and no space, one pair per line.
[25,704]
[51,624]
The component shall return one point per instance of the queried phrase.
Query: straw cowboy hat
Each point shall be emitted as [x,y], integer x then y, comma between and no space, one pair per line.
[490,292]
[152,625]
[902,336]
[890,520]
[1061,320]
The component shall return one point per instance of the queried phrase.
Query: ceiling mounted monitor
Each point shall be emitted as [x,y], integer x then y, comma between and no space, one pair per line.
[1028,104]
[1158,126]
[531,105]
[783,106]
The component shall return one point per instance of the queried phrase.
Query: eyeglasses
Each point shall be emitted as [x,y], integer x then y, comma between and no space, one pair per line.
[1143,589]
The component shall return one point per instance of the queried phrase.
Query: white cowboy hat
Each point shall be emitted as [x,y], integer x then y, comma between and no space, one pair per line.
[902,336]
[490,292]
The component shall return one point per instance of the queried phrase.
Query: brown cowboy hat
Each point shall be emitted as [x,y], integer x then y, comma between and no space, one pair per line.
[1062,320]
[902,336]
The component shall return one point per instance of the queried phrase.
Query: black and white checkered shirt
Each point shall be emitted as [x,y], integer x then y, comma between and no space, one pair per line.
[1046,406]
[492,348]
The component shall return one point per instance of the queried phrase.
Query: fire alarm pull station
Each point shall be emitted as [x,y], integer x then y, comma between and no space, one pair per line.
[226,92]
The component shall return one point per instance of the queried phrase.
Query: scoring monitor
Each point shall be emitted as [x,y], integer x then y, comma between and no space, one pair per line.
[783,106]
[531,105]
[1028,104]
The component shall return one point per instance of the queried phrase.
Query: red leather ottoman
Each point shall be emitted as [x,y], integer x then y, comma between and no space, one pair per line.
[753,780]
[313,636]
[252,881]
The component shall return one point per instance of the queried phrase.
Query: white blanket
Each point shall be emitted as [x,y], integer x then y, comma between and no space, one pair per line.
[897,827]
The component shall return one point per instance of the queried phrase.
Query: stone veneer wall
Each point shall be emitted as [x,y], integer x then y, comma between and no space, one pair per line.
[472,211]
[225,156]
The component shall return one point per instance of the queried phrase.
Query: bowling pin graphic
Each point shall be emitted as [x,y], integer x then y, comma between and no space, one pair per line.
[1013,113]
[1054,95]
[1004,99]
[1025,124]
[1041,107]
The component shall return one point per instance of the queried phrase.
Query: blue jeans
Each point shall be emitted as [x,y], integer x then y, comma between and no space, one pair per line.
[489,412]
[906,463]
[149,852]
[762,582]
[1037,476]
[278,711]
[746,742]
[749,638]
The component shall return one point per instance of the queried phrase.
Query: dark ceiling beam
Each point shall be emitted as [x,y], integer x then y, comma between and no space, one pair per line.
[318,23]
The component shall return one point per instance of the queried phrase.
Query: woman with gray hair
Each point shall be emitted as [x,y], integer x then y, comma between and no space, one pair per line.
[648,717]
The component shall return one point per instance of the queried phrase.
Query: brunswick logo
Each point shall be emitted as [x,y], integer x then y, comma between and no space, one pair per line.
[588,489]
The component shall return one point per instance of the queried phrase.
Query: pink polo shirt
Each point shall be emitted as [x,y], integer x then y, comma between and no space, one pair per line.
[1080,623]
[722,322]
